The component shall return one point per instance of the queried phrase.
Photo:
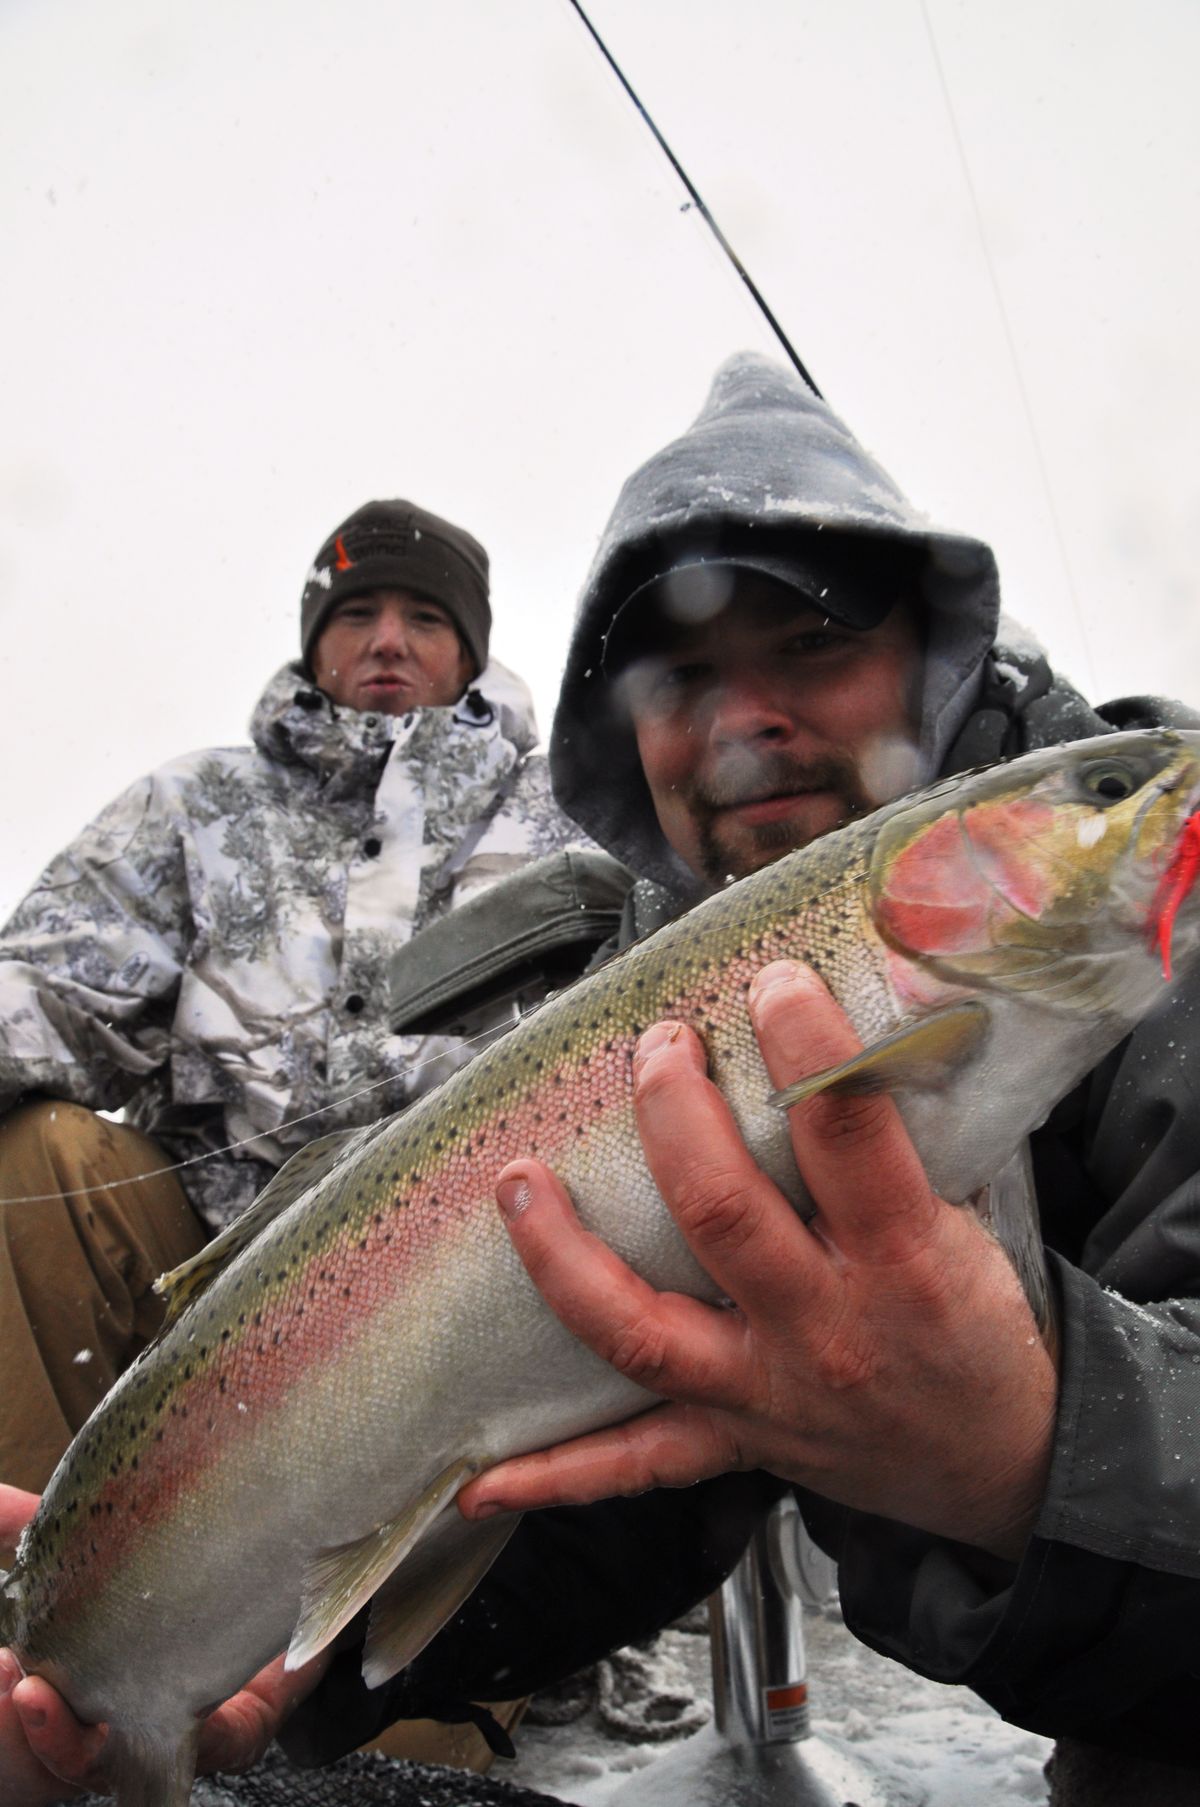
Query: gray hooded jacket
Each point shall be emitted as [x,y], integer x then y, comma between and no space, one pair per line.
[1094,1633]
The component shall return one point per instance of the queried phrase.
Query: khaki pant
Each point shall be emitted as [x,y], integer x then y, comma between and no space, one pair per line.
[76,1271]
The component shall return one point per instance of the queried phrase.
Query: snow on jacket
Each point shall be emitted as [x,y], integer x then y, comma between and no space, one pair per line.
[1094,1634]
[212,950]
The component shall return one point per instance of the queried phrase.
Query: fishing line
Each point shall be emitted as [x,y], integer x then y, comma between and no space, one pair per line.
[698,202]
[1010,340]
[213,1154]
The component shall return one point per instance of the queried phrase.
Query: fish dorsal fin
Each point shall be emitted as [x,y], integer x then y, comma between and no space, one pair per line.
[338,1581]
[309,1164]
[924,1055]
[427,1589]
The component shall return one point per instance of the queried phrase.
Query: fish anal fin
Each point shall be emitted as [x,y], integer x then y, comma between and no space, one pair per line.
[337,1582]
[186,1282]
[149,1770]
[416,1601]
[923,1054]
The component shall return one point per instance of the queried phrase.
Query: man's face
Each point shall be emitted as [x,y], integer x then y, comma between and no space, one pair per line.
[389,651]
[771,724]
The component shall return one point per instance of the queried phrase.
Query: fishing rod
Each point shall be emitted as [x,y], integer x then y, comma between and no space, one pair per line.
[698,202]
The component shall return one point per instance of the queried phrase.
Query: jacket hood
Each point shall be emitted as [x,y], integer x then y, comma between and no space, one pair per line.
[765,468]
[298,724]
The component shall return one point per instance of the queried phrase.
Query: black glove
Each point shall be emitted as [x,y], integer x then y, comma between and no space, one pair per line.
[573,1583]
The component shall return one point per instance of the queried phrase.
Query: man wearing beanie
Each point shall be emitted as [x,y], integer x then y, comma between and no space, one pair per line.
[211,954]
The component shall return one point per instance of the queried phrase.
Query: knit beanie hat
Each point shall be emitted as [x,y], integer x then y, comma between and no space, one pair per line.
[398,546]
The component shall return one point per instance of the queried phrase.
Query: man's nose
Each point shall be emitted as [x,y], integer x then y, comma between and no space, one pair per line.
[749,706]
[390,633]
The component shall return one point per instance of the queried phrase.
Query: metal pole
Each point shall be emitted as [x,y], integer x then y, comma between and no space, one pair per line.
[760,1751]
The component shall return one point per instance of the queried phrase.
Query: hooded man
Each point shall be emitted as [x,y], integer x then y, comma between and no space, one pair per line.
[211,953]
[770,642]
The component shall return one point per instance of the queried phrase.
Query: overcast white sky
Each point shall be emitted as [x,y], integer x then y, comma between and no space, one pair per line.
[268,258]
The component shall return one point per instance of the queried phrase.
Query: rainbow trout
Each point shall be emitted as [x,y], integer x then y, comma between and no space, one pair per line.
[363,1340]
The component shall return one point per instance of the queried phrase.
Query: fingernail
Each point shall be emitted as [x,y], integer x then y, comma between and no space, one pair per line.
[780,972]
[32,1717]
[488,1509]
[657,1037]
[514,1196]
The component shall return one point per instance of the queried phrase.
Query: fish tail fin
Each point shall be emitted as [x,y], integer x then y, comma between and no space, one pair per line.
[149,1770]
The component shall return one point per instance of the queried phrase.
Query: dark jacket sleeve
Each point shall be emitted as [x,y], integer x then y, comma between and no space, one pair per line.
[1096,1634]
[572,1584]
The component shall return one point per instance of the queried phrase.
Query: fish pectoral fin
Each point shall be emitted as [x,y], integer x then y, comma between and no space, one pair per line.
[924,1054]
[338,1581]
[186,1282]
[426,1590]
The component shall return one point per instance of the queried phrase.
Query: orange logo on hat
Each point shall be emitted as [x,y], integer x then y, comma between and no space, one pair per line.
[344,561]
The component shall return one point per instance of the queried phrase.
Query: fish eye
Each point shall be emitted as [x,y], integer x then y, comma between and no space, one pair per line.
[1108,781]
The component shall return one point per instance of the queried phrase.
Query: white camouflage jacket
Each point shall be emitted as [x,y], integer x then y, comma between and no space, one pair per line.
[212,950]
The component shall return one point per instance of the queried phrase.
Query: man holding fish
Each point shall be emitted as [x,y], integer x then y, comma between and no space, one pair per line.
[772,643]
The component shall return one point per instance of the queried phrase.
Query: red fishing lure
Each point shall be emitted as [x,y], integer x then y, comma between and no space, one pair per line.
[1173,887]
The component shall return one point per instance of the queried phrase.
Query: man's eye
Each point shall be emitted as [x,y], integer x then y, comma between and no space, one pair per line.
[814,640]
[682,677]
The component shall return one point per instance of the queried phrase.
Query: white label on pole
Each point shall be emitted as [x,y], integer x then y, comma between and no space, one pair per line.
[785,1710]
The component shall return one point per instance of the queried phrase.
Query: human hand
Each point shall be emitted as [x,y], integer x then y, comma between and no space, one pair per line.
[883,1356]
[48,1755]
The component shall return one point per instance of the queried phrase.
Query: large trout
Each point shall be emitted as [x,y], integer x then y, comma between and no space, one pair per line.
[343,1358]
